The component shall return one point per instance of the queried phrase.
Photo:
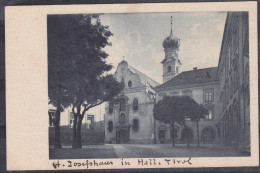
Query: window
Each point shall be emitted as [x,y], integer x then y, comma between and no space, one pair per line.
[122,104]
[208,95]
[122,118]
[123,81]
[135,104]
[135,125]
[71,119]
[161,134]
[169,69]
[130,84]
[110,107]
[209,116]
[52,114]
[208,135]
[110,126]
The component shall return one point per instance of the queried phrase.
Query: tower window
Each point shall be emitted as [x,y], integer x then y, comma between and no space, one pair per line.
[169,69]
[177,70]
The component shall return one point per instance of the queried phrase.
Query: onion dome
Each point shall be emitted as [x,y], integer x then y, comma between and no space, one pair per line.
[172,41]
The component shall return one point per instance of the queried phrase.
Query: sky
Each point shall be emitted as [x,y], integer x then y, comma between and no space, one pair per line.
[139,36]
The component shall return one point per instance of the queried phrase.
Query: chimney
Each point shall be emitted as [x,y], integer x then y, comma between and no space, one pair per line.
[195,68]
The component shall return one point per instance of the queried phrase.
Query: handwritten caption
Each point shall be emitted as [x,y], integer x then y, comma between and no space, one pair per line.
[92,164]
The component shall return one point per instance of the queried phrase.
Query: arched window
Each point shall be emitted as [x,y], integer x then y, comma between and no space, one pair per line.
[122,118]
[110,107]
[135,104]
[130,84]
[122,104]
[169,69]
[110,126]
[135,125]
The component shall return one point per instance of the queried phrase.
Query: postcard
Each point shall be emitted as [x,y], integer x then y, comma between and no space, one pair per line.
[121,86]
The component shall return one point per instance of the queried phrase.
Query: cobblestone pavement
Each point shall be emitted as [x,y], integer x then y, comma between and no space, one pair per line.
[142,151]
[166,150]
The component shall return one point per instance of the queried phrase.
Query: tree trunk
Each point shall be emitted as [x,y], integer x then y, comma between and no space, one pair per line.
[173,142]
[188,137]
[57,129]
[79,133]
[74,142]
[198,131]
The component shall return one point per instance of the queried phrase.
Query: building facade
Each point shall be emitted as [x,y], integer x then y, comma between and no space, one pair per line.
[202,85]
[67,118]
[129,118]
[233,70]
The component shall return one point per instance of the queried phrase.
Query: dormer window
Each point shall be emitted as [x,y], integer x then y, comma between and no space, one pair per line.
[169,69]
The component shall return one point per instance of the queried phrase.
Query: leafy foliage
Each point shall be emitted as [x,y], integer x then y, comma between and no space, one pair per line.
[172,109]
[77,65]
[176,109]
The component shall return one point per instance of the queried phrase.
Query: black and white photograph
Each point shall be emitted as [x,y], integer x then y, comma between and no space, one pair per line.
[131,86]
[148,85]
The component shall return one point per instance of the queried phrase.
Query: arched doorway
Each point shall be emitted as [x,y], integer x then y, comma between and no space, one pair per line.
[122,136]
[186,135]
[208,135]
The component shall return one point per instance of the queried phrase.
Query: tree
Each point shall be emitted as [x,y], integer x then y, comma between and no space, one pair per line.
[90,95]
[58,79]
[171,110]
[198,112]
[176,109]
[75,45]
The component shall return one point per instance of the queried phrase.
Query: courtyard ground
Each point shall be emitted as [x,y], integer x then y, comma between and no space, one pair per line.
[142,151]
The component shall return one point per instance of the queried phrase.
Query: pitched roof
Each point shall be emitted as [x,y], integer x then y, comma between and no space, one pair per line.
[144,78]
[192,77]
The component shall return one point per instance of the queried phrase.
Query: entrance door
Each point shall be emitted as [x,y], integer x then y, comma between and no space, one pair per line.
[208,136]
[122,136]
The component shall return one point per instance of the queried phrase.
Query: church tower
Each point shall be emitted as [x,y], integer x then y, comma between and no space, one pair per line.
[171,62]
